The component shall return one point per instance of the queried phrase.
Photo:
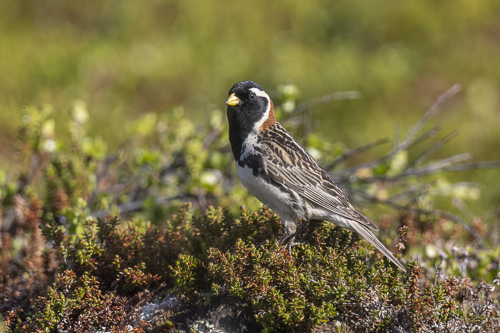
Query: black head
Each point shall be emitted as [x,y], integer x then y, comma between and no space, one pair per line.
[248,108]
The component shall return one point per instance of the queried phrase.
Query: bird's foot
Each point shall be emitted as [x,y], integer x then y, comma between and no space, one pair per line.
[289,241]
[286,239]
[290,238]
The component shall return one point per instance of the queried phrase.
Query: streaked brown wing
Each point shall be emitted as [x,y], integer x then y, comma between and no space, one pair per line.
[289,164]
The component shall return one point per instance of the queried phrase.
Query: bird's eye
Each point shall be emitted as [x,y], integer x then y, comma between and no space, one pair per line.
[252,95]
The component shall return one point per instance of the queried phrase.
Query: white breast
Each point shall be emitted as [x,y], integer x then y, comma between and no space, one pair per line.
[269,195]
[248,145]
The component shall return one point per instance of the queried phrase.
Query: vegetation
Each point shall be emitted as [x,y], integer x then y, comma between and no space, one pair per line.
[68,265]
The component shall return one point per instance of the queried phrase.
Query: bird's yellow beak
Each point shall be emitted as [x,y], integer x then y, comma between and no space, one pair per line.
[233,100]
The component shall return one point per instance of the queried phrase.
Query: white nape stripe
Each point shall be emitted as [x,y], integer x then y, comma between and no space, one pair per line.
[261,93]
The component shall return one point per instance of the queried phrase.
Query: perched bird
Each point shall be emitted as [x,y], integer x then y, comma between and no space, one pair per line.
[275,168]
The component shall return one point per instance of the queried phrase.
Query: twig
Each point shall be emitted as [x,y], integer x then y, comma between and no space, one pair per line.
[461,167]
[433,169]
[293,121]
[454,218]
[107,162]
[409,140]
[211,136]
[459,158]
[429,114]
[429,134]
[356,151]
[466,211]
[339,95]
[147,299]
[422,190]
[438,271]
[432,149]
[179,160]
[307,123]
[135,206]
[447,215]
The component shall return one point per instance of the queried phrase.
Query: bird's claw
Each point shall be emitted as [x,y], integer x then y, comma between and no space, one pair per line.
[289,241]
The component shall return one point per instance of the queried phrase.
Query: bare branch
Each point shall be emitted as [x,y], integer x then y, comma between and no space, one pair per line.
[211,137]
[356,151]
[339,95]
[465,157]
[464,209]
[432,149]
[293,121]
[106,165]
[428,170]
[415,191]
[455,168]
[429,114]
[410,140]
[429,134]
[472,166]
[307,123]
[467,227]
[136,206]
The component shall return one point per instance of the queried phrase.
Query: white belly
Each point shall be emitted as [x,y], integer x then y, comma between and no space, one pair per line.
[268,194]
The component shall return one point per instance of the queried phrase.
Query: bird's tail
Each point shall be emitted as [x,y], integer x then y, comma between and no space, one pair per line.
[369,236]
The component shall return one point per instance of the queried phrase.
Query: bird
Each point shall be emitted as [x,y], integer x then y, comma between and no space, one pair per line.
[280,172]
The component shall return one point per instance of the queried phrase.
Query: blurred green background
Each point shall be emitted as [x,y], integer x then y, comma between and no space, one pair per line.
[124,58]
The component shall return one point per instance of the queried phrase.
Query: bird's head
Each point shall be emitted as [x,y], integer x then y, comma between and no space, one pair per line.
[249,108]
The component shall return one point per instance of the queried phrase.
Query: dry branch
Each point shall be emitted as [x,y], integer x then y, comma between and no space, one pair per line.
[336,96]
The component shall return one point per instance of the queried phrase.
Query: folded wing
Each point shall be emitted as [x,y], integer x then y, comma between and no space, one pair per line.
[289,164]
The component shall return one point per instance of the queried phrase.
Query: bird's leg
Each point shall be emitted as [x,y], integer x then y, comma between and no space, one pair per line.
[286,239]
[297,233]
[289,239]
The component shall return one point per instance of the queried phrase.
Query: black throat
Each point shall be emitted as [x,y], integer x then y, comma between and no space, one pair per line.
[237,133]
